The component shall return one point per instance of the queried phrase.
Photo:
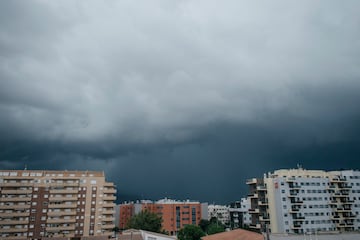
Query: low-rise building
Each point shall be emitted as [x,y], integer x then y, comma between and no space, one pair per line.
[220,212]
[175,214]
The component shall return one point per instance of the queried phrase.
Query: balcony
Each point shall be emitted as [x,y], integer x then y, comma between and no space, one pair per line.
[65,184]
[60,228]
[345,225]
[109,190]
[13,230]
[263,203]
[337,180]
[264,218]
[73,205]
[261,188]
[294,210]
[15,199]
[64,191]
[297,202]
[109,198]
[109,184]
[107,226]
[17,184]
[254,211]
[290,179]
[108,219]
[17,191]
[61,220]
[17,206]
[14,222]
[298,218]
[296,226]
[253,195]
[349,216]
[14,214]
[251,181]
[108,212]
[63,198]
[343,210]
[61,213]
[108,205]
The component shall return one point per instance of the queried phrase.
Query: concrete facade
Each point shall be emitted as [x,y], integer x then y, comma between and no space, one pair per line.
[39,204]
[305,201]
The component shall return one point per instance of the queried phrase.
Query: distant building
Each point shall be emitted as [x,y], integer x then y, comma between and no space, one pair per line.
[305,201]
[239,214]
[41,204]
[221,212]
[175,214]
[133,234]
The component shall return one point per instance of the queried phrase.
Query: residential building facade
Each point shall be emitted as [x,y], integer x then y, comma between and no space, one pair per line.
[239,214]
[220,212]
[305,201]
[39,204]
[175,214]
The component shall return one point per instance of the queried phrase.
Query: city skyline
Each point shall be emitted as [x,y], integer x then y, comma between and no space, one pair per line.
[179,99]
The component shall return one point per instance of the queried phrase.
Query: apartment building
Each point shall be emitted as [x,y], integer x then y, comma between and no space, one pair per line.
[220,212]
[305,201]
[40,204]
[239,214]
[175,214]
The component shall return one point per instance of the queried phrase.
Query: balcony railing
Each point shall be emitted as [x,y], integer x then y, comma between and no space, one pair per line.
[14,214]
[15,199]
[62,198]
[15,206]
[251,181]
[64,205]
[253,195]
[108,226]
[60,220]
[17,191]
[109,198]
[64,191]
[60,228]
[62,213]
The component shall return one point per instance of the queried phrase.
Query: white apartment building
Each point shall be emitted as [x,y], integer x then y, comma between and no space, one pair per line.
[239,214]
[305,201]
[40,204]
[221,212]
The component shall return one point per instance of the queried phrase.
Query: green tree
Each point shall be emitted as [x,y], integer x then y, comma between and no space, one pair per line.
[145,220]
[191,232]
[204,224]
[215,228]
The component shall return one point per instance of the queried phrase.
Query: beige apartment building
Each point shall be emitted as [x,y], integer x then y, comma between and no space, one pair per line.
[43,204]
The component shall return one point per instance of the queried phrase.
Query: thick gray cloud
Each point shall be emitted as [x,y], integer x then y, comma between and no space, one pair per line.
[179,98]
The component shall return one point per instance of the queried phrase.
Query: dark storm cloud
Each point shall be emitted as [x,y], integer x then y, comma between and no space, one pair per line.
[185,99]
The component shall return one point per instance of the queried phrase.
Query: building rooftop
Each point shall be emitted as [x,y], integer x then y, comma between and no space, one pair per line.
[237,234]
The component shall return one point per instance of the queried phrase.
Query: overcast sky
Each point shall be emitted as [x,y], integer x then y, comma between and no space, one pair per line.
[180,99]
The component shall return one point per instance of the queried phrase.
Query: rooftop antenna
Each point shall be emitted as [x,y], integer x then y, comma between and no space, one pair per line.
[25,168]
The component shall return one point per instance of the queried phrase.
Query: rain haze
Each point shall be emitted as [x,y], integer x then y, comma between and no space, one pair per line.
[180,99]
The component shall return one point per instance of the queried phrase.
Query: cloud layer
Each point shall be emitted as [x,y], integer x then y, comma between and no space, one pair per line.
[174,92]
